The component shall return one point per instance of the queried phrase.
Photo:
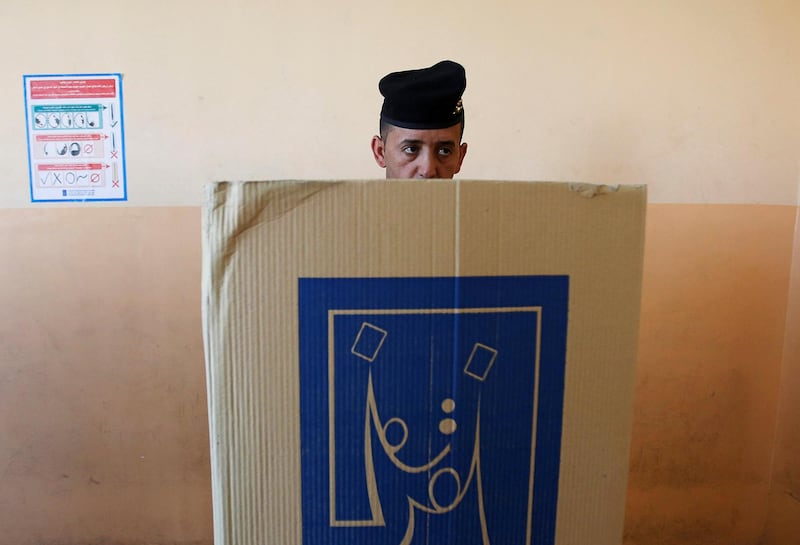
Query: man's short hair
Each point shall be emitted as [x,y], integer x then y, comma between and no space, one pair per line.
[384,128]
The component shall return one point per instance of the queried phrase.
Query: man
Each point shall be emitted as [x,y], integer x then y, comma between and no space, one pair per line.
[422,122]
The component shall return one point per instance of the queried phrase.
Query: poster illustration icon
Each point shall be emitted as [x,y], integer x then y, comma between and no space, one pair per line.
[431,409]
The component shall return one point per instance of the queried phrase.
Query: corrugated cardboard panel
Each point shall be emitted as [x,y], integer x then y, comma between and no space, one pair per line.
[315,292]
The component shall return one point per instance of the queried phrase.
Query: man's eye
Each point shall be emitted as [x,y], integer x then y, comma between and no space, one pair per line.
[445,151]
[410,149]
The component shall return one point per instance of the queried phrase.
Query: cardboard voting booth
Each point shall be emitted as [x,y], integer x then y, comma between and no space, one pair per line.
[420,362]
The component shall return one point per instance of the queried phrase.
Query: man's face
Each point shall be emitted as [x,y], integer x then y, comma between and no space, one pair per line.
[414,153]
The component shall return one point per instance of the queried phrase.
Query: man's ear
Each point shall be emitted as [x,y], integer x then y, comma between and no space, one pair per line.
[463,150]
[378,151]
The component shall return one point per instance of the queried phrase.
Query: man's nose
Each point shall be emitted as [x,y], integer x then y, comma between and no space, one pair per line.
[427,166]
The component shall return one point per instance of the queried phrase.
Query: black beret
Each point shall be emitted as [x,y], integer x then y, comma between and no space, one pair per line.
[428,98]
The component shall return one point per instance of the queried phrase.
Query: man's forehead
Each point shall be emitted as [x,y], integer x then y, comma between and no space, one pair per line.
[450,134]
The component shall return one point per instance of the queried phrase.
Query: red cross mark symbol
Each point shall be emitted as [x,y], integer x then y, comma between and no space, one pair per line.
[114,154]
[114,183]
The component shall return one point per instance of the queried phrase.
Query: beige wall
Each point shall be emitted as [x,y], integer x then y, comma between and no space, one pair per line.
[697,98]
[102,396]
[783,522]
[711,344]
[103,430]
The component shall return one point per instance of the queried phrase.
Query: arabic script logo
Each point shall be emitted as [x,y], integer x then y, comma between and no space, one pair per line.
[367,346]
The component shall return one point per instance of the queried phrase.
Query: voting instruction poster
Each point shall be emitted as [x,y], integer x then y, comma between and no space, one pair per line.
[76,143]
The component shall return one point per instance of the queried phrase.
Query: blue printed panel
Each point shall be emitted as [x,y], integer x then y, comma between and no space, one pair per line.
[431,409]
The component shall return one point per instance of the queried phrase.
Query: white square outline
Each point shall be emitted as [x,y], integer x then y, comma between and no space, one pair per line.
[424,311]
[358,338]
[488,367]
